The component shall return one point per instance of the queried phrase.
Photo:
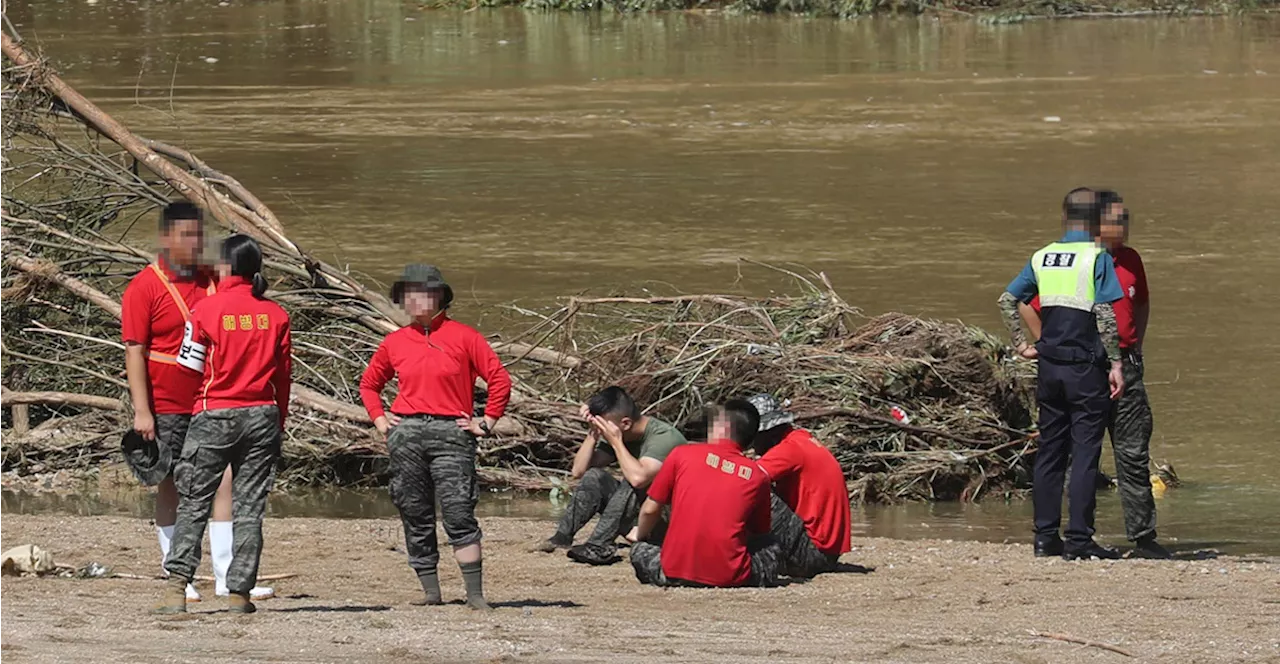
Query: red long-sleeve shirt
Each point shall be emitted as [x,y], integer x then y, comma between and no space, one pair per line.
[437,372]
[248,360]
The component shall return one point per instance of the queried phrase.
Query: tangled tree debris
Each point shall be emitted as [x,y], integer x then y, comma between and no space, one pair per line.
[75,180]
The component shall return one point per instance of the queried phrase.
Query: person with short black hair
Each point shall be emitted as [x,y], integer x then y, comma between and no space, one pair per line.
[1130,422]
[431,428]
[156,306]
[238,342]
[639,444]
[1079,372]
[718,534]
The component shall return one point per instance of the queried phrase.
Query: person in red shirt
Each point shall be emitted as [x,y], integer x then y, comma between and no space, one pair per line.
[238,342]
[718,535]
[1130,422]
[154,310]
[431,432]
[811,518]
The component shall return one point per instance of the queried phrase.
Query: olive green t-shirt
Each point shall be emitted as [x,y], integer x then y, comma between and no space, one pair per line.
[659,439]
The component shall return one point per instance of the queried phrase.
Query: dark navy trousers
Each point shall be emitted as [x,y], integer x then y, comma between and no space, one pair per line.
[1075,403]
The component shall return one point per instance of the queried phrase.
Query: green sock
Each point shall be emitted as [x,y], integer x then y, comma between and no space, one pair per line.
[430,581]
[473,577]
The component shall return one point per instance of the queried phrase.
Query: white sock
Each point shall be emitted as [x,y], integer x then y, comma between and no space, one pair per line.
[221,552]
[165,534]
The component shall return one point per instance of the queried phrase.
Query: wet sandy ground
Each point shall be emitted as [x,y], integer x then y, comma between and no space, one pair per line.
[925,601]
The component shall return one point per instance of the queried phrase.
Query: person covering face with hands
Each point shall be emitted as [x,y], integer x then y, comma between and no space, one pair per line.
[431,433]
[618,432]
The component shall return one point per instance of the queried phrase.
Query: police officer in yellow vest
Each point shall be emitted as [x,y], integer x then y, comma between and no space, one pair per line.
[1079,372]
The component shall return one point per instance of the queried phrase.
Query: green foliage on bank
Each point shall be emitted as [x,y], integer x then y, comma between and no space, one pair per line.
[991,10]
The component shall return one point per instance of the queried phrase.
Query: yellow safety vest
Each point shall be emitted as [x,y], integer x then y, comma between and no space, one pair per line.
[1064,274]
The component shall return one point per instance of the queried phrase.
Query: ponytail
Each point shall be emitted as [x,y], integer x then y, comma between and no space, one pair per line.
[259,285]
[244,255]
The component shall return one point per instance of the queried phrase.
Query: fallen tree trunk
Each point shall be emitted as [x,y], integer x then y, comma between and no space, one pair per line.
[182,182]
[316,401]
[10,398]
[47,270]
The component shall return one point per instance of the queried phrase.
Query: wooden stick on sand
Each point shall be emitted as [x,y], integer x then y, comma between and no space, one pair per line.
[1084,642]
[142,577]
[261,577]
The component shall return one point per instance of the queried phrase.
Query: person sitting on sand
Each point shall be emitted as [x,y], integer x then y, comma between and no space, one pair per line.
[720,515]
[639,444]
[810,505]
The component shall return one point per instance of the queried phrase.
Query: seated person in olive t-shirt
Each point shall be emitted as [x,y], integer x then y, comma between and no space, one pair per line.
[811,518]
[639,444]
[720,514]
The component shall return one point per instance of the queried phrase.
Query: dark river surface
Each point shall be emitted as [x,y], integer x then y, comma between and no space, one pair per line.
[917,162]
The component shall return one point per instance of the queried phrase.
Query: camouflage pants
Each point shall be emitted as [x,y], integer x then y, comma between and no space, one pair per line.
[171,430]
[247,439]
[1130,427]
[616,501]
[433,458]
[646,559]
[798,555]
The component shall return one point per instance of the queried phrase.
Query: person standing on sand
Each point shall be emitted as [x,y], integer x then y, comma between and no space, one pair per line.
[1130,422]
[239,341]
[155,308]
[810,503]
[431,432]
[1077,284]
[639,444]
[720,512]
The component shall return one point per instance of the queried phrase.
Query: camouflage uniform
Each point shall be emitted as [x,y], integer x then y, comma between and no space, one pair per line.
[171,430]
[154,461]
[646,559]
[798,556]
[248,439]
[619,515]
[1130,426]
[616,501]
[430,457]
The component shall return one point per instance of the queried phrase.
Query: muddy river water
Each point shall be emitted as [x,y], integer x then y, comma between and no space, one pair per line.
[917,162]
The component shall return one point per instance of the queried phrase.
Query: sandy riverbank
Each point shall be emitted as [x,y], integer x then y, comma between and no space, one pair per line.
[925,601]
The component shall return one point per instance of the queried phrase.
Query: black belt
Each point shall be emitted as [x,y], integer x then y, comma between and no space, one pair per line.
[1069,355]
[428,418]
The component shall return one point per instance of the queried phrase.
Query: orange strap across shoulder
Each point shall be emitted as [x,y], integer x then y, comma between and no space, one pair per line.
[166,358]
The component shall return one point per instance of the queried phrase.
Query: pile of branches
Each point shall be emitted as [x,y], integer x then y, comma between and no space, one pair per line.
[76,183]
[967,402]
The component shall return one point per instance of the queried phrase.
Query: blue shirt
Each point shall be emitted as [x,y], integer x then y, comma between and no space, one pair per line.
[1106,286]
